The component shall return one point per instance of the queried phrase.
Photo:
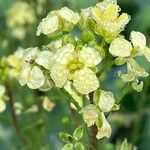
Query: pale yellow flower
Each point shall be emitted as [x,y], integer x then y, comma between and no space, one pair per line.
[124,49]
[15,62]
[20,15]
[31,73]
[47,104]
[109,23]
[105,130]
[75,66]
[90,114]
[106,101]
[56,21]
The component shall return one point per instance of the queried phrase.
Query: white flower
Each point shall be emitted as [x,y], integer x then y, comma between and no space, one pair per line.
[109,23]
[105,130]
[56,20]
[90,114]
[20,15]
[125,49]
[47,104]
[15,62]
[31,74]
[106,101]
[74,66]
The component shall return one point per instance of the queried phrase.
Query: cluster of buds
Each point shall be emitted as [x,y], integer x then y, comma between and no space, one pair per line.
[71,61]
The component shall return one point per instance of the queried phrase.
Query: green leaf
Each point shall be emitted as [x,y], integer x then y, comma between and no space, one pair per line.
[79,146]
[68,146]
[78,133]
[67,138]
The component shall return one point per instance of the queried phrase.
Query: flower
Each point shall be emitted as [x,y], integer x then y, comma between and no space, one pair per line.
[125,51]
[105,129]
[106,101]
[90,114]
[47,104]
[86,20]
[109,23]
[35,62]
[19,15]
[76,67]
[15,63]
[58,20]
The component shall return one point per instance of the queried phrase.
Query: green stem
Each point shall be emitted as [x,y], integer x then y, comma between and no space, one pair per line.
[71,99]
[93,139]
[126,89]
[105,68]
[13,114]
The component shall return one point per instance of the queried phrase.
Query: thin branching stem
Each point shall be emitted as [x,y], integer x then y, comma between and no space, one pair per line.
[15,122]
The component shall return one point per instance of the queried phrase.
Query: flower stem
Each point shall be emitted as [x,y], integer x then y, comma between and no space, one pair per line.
[13,114]
[93,139]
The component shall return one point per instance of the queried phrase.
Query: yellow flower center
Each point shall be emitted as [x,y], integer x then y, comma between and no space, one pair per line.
[75,64]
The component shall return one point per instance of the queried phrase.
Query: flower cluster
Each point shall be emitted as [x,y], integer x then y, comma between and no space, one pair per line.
[71,62]
[94,113]
[125,52]
[20,15]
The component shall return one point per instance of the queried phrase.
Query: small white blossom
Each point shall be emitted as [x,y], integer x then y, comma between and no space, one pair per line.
[19,15]
[31,74]
[72,65]
[47,104]
[105,130]
[90,114]
[109,23]
[106,101]
[55,21]
[15,62]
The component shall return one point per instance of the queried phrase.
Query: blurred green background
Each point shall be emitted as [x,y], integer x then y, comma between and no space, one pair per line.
[41,129]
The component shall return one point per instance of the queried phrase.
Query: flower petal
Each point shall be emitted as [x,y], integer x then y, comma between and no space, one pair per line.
[30,54]
[106,101]
[47,85]
[126,77]
[49,24]
[85,81]
[59,74]
[69,15]
[120,47]
[24,74]
[36,78]
[65,53]
[136,69]
[45,59]
[90,56]
[138,40]
[105,130]
[68,87]
[147,53]
[89,114]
